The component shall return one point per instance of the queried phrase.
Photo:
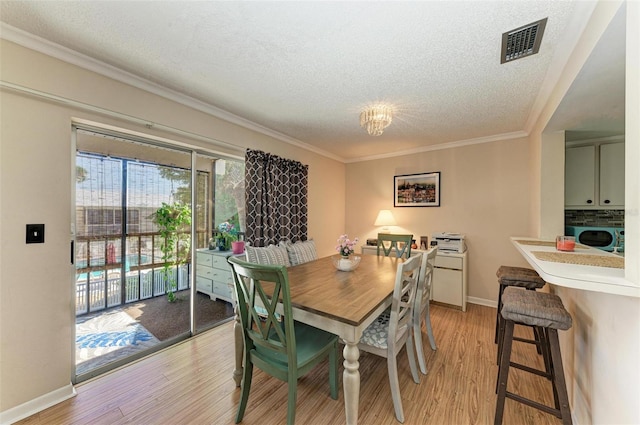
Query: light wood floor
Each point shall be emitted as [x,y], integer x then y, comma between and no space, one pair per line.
[191,384]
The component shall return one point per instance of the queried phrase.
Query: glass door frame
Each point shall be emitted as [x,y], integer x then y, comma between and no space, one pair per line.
[167,144]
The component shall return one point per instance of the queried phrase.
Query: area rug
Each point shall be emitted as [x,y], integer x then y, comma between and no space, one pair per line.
[166,320]
[104,337]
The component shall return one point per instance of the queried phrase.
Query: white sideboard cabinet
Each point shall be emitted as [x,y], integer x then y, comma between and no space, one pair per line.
[450,277]
[213,274]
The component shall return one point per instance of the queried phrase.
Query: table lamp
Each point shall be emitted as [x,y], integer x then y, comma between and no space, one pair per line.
[385,219]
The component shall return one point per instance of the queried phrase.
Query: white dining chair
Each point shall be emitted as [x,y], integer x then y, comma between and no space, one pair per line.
[392,330]
[421,308]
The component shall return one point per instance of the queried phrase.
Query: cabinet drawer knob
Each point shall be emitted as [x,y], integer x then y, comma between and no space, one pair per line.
[606,201]
[589,201]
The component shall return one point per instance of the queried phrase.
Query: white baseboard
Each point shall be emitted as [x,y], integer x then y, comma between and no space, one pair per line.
[482,301]
[36,405]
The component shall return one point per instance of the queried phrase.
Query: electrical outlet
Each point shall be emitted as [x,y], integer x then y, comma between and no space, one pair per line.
[35,233]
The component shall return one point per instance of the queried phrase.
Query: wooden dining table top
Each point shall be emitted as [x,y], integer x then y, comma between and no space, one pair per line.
[349,297]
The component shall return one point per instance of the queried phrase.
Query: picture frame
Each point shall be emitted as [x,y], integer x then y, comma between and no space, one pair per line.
[417,190]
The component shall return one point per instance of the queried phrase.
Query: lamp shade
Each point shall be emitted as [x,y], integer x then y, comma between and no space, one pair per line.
[385,218]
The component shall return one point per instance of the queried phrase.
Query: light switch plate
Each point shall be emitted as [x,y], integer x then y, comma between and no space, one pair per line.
[35,233]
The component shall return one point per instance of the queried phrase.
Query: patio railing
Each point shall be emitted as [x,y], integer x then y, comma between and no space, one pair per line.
[99,271]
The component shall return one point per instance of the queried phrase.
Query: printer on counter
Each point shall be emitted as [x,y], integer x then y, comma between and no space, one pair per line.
[449,242]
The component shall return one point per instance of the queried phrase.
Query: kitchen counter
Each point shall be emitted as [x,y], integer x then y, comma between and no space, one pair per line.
[586,268]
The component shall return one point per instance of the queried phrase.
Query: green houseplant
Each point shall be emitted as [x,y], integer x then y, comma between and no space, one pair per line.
[228,234]
[173,221]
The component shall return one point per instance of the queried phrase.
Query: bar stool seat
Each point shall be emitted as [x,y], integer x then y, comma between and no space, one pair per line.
[535,309]
[546,313]
[515,276]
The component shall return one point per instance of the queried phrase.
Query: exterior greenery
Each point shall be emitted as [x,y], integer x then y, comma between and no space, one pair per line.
[173,223]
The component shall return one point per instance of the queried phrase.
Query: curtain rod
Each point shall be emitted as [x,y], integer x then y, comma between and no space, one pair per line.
[128,118]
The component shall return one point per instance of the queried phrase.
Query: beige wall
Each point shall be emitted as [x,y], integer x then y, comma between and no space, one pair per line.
[485,194]
[36,280]
[490,192]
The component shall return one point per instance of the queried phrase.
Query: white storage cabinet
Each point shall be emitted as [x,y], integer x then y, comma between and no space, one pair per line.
[450,277]
[213,274]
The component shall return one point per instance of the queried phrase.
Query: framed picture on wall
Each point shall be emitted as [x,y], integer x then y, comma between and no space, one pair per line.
[417,190]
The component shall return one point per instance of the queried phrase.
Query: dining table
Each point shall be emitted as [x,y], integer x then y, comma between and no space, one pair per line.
[341,302]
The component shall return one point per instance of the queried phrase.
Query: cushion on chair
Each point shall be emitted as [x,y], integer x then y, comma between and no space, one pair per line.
[270,255]
[519,276]
[535,309]
[377,333]
[300,252]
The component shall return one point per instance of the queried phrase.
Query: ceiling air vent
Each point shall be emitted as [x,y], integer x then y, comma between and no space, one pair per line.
[523,41]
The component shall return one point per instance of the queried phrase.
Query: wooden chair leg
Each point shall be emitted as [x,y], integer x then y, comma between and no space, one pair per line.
[333,371]
[498,316]
[291,402]
[417,332]
[503,374]
[246,386]
[394,385]
[412,360]
[558,371]
[427,319]
[500,339]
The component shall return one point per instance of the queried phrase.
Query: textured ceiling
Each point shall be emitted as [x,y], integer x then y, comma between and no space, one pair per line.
[306,69]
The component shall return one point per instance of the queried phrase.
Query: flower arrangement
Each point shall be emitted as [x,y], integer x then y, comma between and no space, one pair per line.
[228,231]
[346,246]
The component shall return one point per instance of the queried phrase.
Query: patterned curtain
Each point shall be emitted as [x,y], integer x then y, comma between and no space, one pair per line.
[276,199]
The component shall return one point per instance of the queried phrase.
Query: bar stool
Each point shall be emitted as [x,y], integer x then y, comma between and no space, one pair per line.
[520,277]
[547,314]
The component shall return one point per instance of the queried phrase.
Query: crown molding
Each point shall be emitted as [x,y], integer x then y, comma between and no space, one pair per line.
[448,145]
[67,55]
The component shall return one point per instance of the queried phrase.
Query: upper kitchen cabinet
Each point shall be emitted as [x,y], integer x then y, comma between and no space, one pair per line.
[612,174]
[594,175]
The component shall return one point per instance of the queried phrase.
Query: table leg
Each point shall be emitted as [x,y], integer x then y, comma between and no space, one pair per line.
[239,343]
[351,381]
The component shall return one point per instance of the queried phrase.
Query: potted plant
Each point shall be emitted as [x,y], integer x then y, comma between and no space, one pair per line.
[346,247]
[173,221]
[227,234]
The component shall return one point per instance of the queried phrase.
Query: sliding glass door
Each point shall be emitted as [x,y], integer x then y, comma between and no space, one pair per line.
[133,245]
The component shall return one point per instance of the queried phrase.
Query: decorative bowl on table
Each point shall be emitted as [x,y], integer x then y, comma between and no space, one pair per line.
[346,264]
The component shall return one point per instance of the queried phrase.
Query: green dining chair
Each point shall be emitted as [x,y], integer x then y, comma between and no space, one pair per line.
[285,350]
[387,242]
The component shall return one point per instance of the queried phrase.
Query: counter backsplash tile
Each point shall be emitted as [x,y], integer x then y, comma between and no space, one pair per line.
[598,218]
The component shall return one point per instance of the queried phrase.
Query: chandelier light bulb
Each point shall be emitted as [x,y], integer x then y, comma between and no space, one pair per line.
[376,118]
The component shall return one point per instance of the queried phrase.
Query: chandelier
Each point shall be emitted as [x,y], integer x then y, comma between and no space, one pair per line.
[376,118]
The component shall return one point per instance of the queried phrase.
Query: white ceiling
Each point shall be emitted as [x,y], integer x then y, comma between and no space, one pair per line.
[304,70]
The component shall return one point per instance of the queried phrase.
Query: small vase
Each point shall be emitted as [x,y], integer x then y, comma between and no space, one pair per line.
[237,247]
[222,244]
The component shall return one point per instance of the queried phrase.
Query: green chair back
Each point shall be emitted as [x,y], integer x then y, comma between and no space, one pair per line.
[387,242]
[273,342]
